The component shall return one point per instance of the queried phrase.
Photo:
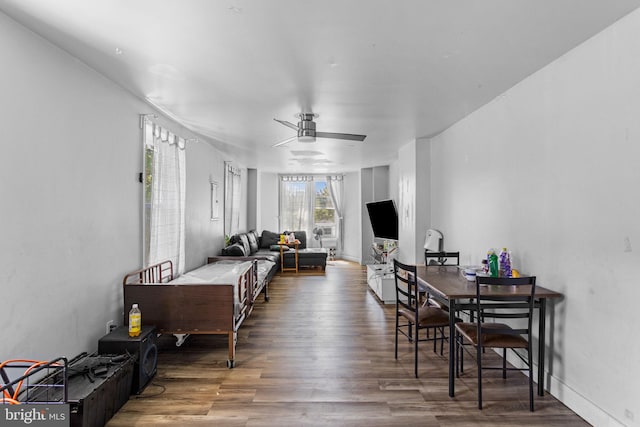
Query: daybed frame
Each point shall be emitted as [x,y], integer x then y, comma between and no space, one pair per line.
[191,308]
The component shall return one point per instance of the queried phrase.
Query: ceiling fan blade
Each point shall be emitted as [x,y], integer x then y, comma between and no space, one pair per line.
[349,136]
[287,124]
[285,141]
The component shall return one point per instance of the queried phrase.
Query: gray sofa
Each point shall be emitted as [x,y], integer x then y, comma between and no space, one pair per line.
[265,246]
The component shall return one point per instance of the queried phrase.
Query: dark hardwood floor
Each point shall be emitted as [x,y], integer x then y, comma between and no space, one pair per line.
[321,353]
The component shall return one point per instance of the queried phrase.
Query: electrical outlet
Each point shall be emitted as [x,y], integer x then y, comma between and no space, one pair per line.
[110,326]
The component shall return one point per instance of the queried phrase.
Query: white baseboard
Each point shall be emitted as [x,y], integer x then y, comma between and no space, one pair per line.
[349,258]
[571,398]
[579,404]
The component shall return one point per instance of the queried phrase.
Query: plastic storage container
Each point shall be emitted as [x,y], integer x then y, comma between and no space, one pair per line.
[493,264]
[505,263]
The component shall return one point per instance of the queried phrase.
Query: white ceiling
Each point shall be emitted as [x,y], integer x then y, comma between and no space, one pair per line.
[393,70]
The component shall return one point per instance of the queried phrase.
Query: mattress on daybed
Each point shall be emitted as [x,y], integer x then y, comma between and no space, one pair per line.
[217,273]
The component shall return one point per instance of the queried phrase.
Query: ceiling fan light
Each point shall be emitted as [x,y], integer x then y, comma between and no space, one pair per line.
[306,138]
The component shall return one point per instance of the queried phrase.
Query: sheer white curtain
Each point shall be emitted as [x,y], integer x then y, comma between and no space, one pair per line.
[296,203]
[334,184]
[232,199]
[166,199]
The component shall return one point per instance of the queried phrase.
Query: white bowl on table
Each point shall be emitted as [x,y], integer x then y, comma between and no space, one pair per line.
[470,273]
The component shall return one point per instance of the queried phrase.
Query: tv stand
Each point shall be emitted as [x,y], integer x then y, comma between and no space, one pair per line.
[382,282]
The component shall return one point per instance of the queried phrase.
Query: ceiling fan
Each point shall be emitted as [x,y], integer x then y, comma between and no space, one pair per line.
[306,129]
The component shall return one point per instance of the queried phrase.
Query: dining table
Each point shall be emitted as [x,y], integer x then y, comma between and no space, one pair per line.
[448,286]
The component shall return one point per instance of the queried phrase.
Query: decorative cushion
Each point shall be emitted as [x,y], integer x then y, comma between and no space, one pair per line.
[237,249]
[269,238]
[245,242]
[252,236]
[277,248]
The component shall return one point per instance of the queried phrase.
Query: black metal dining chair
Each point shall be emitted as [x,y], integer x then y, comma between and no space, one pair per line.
[441,258]
[483,333]
[414,315]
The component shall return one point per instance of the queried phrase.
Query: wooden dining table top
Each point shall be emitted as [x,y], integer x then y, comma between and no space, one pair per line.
[450,284]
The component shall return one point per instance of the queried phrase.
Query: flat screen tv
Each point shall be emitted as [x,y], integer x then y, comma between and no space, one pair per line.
[384,219]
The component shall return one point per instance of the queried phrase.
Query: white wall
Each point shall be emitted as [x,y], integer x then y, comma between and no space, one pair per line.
[413,196]
[71,200]
[204,237]
[375,186]
[393,174]
[423,197]
[406,203]
[551,170]
[269,196]
[252,199]
[352,250]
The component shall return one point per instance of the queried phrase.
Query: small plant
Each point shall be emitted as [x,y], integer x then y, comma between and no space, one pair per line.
[227,240]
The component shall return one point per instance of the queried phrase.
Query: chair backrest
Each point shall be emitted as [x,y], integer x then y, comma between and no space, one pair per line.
[441,258]
[518,305]
[406,286]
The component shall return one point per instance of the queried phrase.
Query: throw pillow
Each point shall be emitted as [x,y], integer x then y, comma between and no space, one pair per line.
[244,240]
[234,250]
[269,238]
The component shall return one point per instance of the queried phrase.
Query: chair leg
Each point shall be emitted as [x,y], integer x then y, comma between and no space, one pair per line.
[461,353]
[479,361]
[457,354]
[415,352]
[397,322]
[441,340]
[529,358]
[504,363]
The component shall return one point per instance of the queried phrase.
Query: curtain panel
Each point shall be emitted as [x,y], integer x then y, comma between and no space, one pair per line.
[165,188]
[334,184]
[232,199]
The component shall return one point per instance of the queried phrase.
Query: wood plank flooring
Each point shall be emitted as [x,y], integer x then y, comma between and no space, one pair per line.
[321,353]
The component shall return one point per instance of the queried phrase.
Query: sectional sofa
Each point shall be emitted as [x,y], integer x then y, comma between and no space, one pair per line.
[265,246]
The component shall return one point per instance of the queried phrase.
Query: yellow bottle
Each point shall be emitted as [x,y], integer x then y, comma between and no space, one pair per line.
[135,321]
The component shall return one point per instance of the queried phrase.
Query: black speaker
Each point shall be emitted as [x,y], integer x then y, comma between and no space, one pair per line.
[145,346]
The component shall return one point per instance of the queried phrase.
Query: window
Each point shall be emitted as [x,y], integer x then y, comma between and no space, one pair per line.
[324,213]
[312,204]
